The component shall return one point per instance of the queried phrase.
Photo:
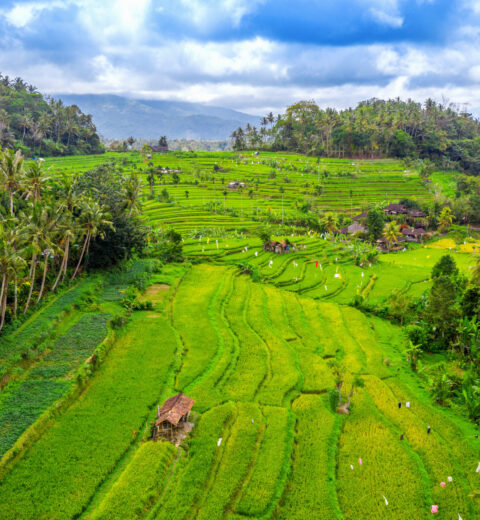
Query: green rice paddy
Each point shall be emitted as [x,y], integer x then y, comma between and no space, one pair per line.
[256,357]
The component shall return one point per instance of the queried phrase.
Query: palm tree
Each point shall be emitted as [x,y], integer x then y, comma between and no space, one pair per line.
[445,218]
[68,231]
[133,190]
[476,272]
[34,179]
[391,233]
[68,197]
[39,223]
[15,232]
[151,182]
[330,222]
[11,263]
[414,353]
[92,221]
[11,172]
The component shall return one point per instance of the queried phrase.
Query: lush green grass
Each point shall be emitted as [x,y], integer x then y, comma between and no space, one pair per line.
[201,200]
[311,485]
[24,400]
[255,357]
[60,473]
[34,335]
[256,360]
[134,492]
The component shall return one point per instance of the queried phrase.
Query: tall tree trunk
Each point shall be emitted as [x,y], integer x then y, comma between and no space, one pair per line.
[88,246]
[3,299]
[60,271]
[87,237]
[11,202]
[32,283]
[32,263]
[65,266]
[15,295]
[44,275]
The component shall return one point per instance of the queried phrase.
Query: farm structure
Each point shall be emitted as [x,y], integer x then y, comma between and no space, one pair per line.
[172,416]
[160,149]
[395,209]
[353,229]
[414,235]
[277,247]
[235,185]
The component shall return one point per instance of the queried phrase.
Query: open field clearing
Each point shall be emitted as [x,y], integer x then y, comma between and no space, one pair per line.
[275,184]
[266,442]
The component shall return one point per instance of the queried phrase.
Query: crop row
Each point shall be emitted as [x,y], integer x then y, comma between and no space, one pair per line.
[56,478]
[24,400]
[134,492]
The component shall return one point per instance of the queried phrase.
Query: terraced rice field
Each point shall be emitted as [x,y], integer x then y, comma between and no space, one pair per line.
[276,184]
[324,270]
[266,442]
[259,358]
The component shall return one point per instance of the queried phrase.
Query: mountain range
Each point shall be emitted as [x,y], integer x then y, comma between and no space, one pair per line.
[118,117]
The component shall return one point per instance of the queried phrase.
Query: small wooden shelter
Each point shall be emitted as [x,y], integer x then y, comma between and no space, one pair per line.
[353,229]
[416,213]
[235,185]
[277,247]
[160,148]
[396,209]
[362,216]
[172,416]
[414,235]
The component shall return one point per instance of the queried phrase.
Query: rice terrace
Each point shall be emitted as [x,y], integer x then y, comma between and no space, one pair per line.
[239,260]
[268,346]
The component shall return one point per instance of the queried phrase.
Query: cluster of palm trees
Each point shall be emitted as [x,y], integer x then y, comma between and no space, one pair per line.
[375,128]
[43,125]
[45,224]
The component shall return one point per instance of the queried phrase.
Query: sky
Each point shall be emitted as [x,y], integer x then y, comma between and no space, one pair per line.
[255,56]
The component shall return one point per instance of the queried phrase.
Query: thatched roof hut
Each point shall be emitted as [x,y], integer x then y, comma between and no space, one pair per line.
[174,412]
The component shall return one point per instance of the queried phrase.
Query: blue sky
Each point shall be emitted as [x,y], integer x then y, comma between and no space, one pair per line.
[252,55]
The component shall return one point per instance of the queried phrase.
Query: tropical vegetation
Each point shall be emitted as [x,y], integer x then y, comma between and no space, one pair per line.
[39,125]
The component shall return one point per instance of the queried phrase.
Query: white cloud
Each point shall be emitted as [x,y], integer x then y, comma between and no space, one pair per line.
[385,12]
[206,14]
[473,5]
[21,15]
[109,19]
[256,74]
[386,18]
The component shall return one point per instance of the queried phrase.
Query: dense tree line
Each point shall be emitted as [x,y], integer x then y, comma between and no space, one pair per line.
[375,128]
[40,125]
[52,227]
[447,318]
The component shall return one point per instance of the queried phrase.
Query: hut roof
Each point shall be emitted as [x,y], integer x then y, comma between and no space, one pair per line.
[159,148]
[174,408]
[414,232]
[416,213]
[362,215]
[396,208]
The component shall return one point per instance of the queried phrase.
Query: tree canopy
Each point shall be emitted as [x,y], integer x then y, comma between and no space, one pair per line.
[375,128]
[39,125]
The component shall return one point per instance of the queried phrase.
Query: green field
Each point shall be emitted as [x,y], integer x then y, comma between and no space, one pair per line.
[255,359]
[199,202]
[254,351]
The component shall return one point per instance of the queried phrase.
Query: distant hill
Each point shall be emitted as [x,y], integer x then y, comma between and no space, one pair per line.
[117,117]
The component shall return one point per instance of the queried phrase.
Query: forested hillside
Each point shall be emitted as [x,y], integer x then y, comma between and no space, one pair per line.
[40,125]
[375,128]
